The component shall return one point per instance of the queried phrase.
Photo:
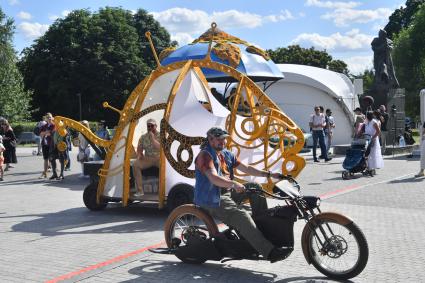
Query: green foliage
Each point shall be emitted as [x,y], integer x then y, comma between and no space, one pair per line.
[102,56]
[409,59]
[14,101]
[294,54]
[401,18]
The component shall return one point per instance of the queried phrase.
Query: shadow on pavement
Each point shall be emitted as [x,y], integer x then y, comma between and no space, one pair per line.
[133,219]
[164,271]
[408,180]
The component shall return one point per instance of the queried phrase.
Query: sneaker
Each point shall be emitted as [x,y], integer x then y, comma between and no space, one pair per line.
[321,157]
[43,176]
[61,177]
[1,179]
[316,160]
[138,195]
[279,254]
[328,159]
[54,176]
[6,169]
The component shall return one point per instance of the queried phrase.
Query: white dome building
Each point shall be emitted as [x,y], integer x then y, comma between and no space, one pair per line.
[303,87]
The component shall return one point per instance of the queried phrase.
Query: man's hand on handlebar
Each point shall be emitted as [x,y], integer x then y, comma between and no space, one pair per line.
[238,187]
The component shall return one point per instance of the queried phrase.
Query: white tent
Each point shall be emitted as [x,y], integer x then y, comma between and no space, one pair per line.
[304,87]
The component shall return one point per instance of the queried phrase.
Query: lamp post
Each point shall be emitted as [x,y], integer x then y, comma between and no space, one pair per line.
[394,114]
[79,103]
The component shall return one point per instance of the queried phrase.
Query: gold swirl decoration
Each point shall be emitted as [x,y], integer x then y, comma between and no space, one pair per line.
[61,146]
[217,35]
[227,51]
[255,50]
[168,136]
[148,110]
[167,51]
[62,122]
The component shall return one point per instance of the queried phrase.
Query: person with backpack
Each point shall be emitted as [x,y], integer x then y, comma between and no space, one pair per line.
[37,131]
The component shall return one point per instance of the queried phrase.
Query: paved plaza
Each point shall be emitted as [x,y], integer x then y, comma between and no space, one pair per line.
[48,235]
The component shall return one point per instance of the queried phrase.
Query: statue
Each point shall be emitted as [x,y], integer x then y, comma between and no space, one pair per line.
[382,61]
[385,81]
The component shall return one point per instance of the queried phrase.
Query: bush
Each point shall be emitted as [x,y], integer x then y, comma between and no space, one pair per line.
[19,127]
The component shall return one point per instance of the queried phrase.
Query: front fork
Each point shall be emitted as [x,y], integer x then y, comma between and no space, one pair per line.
[315,221]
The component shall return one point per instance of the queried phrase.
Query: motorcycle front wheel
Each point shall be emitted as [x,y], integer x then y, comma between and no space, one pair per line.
[342,251]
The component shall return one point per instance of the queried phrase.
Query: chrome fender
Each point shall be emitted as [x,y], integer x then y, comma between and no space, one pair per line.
[336,217]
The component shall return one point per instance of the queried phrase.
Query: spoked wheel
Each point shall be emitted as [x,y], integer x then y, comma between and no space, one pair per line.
[342,254]
[185,221]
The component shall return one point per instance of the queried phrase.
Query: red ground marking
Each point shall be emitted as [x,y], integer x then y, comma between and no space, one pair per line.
[336,192]
[127,255]
[105,263]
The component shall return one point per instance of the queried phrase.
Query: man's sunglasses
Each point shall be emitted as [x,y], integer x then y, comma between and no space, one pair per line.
[151,125]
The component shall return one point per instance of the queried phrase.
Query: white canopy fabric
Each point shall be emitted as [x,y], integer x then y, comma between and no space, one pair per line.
[305,87]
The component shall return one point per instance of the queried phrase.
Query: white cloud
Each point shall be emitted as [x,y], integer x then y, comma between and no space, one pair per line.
[357,64]
[32,30]
[352,40]
[24,15]
[344,17]
[65,13]
[184,23]
[282,16]
[182,38]
[53,17]
[332,4]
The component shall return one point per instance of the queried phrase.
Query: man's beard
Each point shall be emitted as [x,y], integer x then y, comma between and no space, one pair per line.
[219,148]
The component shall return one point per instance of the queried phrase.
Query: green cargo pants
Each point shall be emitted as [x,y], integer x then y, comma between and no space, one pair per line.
[233,214]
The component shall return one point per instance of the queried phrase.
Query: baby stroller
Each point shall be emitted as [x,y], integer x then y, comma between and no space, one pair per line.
[356,157]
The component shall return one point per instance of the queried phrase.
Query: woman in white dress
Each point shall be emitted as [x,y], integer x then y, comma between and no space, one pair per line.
[375,160]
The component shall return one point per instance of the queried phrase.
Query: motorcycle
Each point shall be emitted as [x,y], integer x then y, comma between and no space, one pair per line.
[332,242]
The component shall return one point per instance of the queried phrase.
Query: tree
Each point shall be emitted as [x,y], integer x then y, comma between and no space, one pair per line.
[14,101]
[294,54]
[98,56]
[409,59]
[402,17]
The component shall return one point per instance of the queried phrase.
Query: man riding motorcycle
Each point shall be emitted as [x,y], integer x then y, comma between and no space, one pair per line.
[214,181]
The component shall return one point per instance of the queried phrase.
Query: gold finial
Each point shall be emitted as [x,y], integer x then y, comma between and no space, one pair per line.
[148,35]
[213,26]
[106,105]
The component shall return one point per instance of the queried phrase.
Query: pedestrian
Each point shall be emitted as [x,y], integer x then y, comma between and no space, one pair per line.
[317,123]
[375,160]
[384,126]
[46,133]
[37,131]
[103,133]
[58,152]
[9,143]
[68,149]
[330,126]
[359,119]
[2,149]
[83,148]
[422,164]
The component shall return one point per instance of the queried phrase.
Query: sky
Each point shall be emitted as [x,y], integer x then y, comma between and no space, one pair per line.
[344,29]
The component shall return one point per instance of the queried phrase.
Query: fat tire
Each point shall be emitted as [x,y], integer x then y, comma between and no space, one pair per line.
[89,198]
[196,211]
[363,252]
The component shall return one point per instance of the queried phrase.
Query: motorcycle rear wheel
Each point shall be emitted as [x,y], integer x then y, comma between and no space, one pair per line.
[188,219]
[346,244]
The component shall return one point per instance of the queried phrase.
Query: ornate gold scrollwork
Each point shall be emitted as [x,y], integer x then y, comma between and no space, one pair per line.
[168,136]
[148,110]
